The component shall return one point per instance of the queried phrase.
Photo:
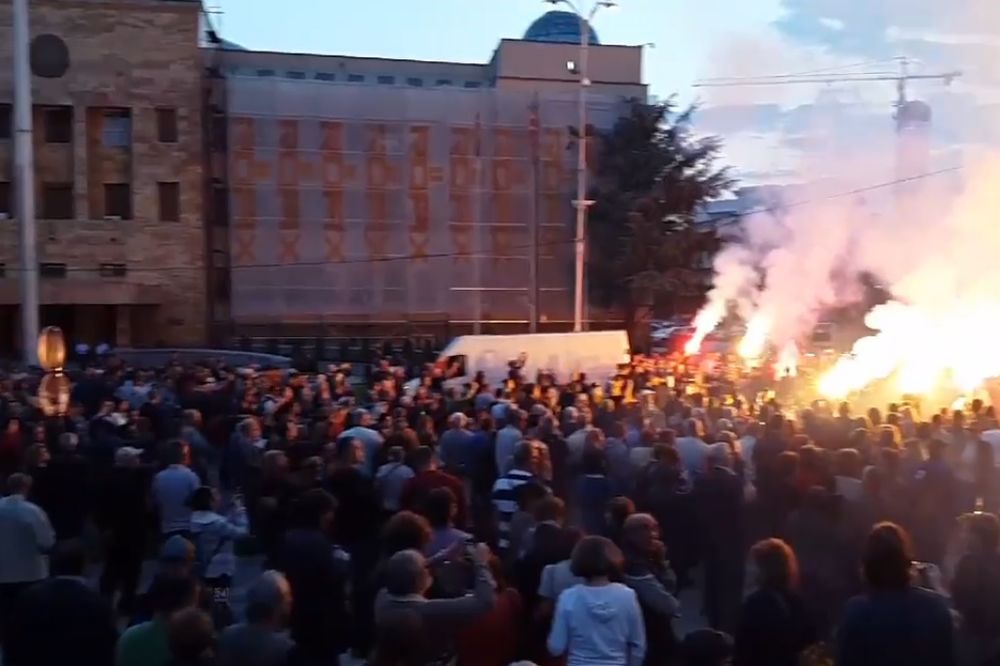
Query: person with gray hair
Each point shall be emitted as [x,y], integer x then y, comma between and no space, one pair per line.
[456,444]
[407,579]
[260,641]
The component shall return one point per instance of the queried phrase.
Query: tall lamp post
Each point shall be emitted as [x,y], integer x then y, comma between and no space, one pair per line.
[581,201]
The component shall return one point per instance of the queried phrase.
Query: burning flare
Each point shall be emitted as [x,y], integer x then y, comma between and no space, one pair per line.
[923,347]
[787,364]
[704,323]
[752,344]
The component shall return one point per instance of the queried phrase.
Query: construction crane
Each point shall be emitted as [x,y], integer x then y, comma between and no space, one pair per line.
[902,79]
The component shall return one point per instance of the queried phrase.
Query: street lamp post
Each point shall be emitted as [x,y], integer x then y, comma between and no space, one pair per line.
[24,175]
[581,202]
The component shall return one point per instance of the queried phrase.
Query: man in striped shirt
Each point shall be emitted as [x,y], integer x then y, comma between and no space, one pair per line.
[505,490]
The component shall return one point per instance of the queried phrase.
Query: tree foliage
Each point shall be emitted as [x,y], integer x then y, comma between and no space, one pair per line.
[652,174]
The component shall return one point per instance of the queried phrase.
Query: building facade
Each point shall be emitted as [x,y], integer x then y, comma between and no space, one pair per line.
[189,191]
[117,93]
[379,196]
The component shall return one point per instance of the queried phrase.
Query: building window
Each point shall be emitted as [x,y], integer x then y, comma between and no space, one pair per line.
[5,121]
[325,76]
[415,82]
[220,127]
[356,78]
[166,125]
[295,75]
[58,124]
[117,128]
[473,84]
[3,270]
[170,202]
[117,201]
[51,269]
[5,208]
[443,82]
[57,201]
[220,205]
[265,72]
[113,270]
[386,80]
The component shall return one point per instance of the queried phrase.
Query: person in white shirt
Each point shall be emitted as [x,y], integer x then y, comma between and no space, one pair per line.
[26,537]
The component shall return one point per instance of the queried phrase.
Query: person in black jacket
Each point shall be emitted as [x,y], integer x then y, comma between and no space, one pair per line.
[122,514]
[318,575]
[718,495]
[894,623]
[61,620]
[63,489]
[774,627]
[975,588]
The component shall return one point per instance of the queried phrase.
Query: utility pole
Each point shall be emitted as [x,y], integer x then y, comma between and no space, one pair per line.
[535,131]
[581,202]
[24,175]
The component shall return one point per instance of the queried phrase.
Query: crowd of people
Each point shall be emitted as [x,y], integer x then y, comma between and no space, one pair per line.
[543,520]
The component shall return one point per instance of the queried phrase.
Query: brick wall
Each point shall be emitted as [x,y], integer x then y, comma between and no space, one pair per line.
[140,55]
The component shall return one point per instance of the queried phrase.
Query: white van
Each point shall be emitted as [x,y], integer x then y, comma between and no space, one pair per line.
[597,354]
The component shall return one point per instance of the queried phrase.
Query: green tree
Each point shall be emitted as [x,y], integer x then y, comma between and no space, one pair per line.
[652,173]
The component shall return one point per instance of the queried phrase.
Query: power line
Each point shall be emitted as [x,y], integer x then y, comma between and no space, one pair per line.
[824,70]
[568,241]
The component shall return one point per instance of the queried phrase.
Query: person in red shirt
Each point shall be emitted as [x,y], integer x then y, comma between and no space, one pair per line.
[493,639]
[428,477]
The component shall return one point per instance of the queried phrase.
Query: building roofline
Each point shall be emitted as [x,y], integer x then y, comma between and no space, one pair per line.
[353,57]
[595,46]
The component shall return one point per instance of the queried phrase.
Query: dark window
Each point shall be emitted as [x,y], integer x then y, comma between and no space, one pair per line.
[220,206]
[166,125]
[415,82]
[170,202]
[3,270]
[473,84]
[58,124]
[5,208]
[444,82]
[118,201]
[265,72]
[52,270]
[356,78]
[113,270]
[5,124]
[219,129]
[117,132]
[57,201]
[295,75]
[325,76]
[386,80]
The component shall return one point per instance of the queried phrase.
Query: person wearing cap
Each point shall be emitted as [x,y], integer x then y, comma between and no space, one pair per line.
[121,513]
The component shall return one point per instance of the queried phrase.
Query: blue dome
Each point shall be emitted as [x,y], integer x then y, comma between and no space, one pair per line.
[559,27]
